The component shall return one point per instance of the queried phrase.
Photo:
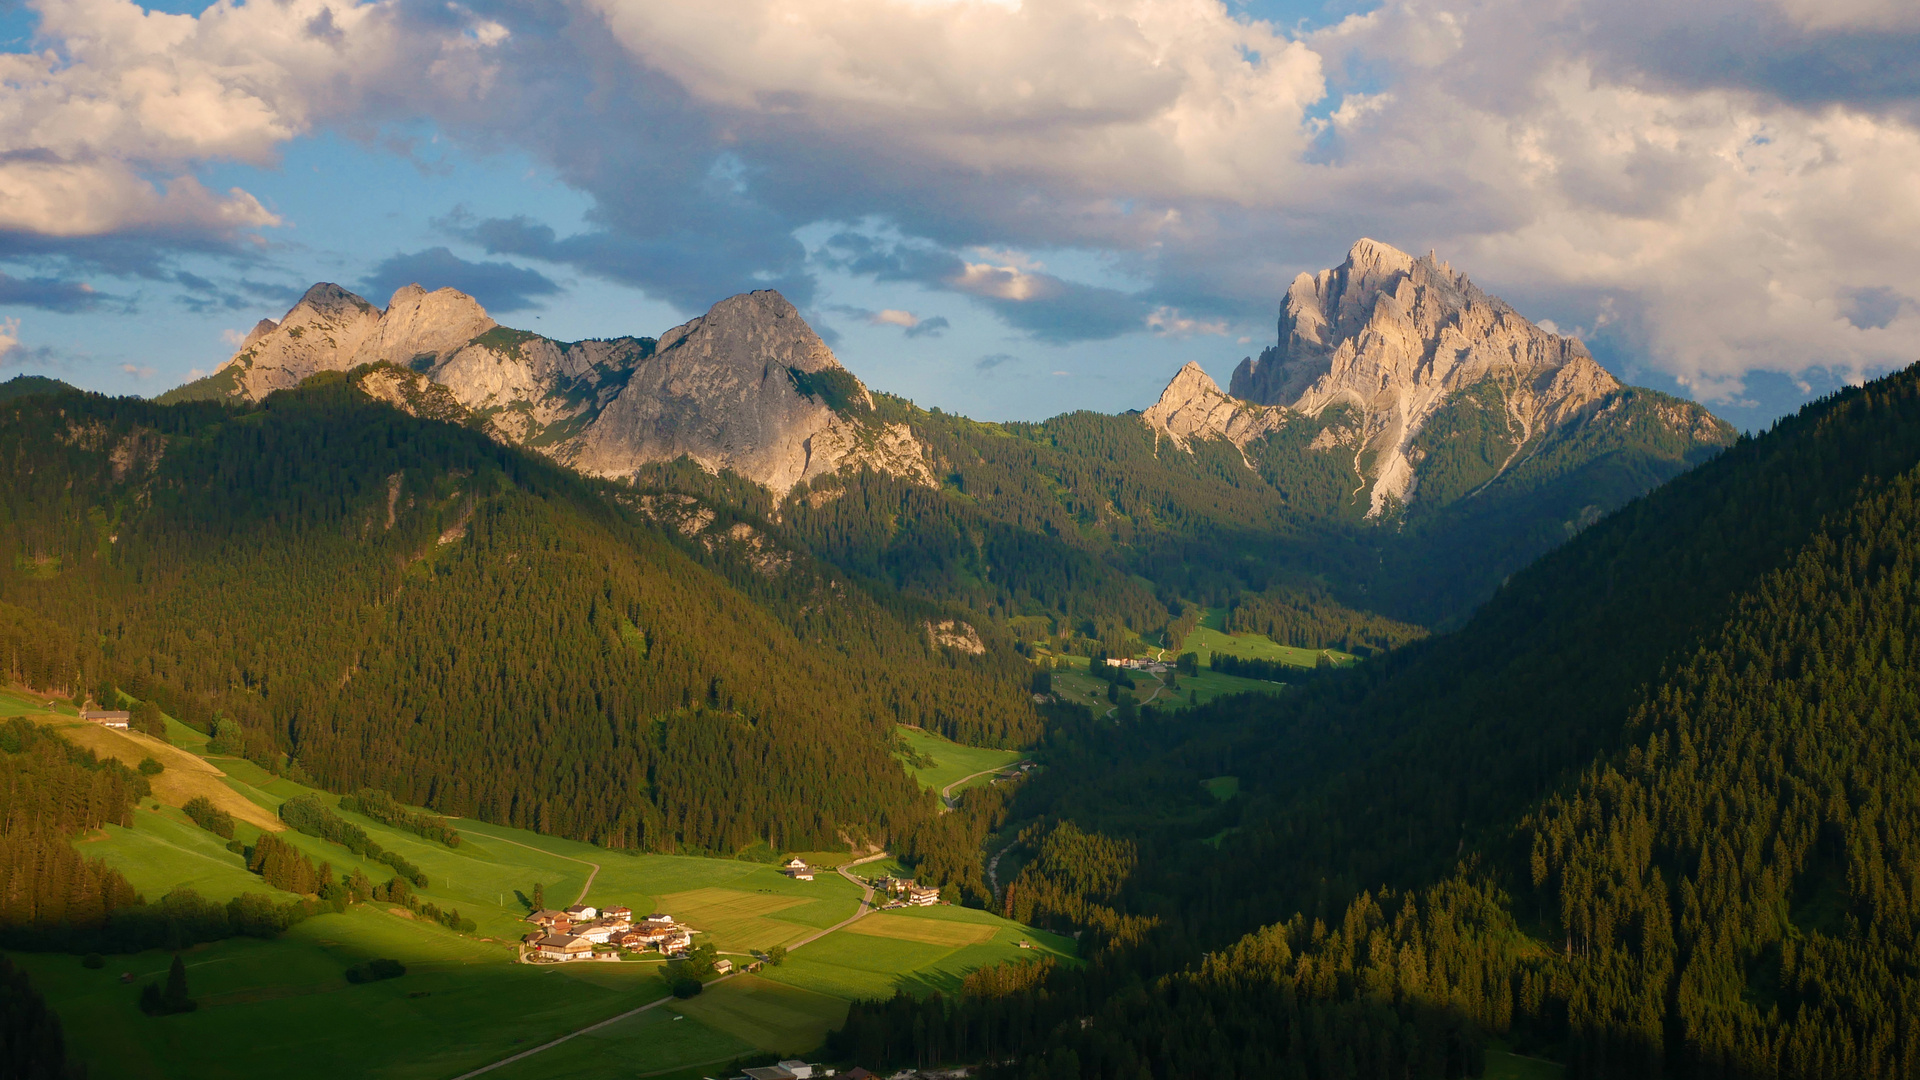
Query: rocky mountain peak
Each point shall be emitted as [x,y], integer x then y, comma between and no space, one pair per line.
[1193,406]
[748,386]
[423,326]
[1394,337]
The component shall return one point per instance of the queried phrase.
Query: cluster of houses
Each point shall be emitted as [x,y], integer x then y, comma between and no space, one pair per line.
[906,892]
[800,1070]
[1158,667]
[573,933]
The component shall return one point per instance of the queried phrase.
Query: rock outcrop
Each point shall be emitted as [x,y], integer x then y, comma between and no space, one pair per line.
[1193,407]
[1395,339]
[748,386]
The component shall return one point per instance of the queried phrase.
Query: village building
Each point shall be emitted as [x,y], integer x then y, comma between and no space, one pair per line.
[660,919]
[922,895]
[581,912]
[564,947]
[798,870]
[598,933]
[625,914]
[107,719]
[548,919]
[722,966]
[786,1070]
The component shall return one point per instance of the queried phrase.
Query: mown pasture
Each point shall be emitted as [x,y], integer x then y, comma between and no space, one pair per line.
[282,1006]
[952,761]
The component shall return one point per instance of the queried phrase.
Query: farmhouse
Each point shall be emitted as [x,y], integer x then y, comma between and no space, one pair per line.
[106,719]
[554,922]
[922,895]
[623,914]
[581,912]
[563,947]
[798,870]
[660,919]
[723,966]
[786,1070]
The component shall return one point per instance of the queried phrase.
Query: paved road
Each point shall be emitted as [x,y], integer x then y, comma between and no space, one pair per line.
[866,895]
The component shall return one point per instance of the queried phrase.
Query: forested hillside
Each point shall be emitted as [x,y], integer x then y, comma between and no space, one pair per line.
[1097,523]
[373,600]
[1650,813]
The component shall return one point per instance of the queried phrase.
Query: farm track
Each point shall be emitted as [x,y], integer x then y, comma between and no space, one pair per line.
[866,908]
[582,898]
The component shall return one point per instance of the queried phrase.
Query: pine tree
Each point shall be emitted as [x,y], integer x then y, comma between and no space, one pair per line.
[175,999]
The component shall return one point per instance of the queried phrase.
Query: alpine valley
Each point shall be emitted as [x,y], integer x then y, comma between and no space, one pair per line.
[1427,703]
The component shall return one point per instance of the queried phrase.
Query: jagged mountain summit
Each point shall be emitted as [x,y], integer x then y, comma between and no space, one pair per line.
[748,386]
[1407,359]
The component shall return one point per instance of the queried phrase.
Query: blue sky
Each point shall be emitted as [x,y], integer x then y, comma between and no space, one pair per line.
[1005,209]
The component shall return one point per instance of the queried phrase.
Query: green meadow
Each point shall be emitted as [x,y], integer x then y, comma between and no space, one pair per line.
[1211,637]
[464,1001]
[1073,683]
[952,761]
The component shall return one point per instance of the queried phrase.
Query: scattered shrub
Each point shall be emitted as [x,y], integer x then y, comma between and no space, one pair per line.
[375,970]
[209,817]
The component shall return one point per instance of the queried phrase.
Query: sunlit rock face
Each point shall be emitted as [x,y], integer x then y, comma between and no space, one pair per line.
[748,386]
[1395,337]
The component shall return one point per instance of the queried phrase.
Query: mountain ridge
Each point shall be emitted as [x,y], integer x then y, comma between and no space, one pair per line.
[748,386]
[1394,340]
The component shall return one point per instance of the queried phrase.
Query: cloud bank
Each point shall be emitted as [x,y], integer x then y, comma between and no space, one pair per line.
[1717,189]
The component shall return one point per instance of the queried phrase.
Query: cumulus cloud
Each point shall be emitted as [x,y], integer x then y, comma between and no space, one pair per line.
[1717,188]
[9,337]
[499,286]
[101,129]
[48,294]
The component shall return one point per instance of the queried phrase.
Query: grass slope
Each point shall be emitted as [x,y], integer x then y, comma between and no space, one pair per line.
[952,761]
[282,1005]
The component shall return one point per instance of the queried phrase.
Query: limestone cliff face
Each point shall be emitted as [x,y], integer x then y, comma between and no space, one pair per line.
[748,386]
[1193,407]
[320,333]
[1397,338]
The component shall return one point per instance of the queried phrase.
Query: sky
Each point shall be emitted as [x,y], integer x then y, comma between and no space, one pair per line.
[1004,208]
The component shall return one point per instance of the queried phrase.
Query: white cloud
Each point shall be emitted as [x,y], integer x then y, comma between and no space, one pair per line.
[1596,161]
[894,317]
[1169,322]
[130,95]
[9,336]
[138,371]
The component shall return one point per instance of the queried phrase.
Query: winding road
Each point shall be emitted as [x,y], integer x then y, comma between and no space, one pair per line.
[946,793]
[866,908]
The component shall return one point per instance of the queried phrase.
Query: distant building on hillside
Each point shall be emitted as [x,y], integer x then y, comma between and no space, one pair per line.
[798,870]
[786,1070]
[107,719]
[723,966]
[922,895]
[563,947]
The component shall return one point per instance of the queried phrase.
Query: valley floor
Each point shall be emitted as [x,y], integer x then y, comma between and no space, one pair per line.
[284,1007]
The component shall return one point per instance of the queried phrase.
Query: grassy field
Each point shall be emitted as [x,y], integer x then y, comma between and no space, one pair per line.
[1073,683]
[952,761]
[1222,788]
[464,1002]
[283,1007]
[917,949]
[1503,1065]
[1211,637]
